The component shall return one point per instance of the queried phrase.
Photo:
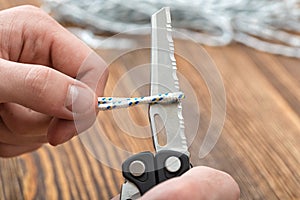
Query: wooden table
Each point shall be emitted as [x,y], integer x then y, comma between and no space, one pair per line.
[259,145]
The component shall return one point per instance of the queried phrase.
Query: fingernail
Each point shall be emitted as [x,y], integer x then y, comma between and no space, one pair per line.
[80,99]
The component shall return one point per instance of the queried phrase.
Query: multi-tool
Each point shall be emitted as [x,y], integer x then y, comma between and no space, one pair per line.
[144,170]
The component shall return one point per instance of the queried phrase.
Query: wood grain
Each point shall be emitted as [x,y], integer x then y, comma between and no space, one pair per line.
[259,145]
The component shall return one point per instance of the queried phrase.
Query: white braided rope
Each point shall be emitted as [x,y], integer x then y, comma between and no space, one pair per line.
[265,25]
[109,103]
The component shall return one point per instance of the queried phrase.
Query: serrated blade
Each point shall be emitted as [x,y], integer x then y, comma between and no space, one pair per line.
[163,80]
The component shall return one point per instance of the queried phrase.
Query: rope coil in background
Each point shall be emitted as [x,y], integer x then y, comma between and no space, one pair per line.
[266,25]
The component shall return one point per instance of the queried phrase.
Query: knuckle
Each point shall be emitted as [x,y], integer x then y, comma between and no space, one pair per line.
[37,81]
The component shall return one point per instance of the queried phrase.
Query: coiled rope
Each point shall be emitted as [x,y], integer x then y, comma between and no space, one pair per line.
[266,25]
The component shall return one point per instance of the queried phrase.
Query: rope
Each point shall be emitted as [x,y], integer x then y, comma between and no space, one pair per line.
[109,103]
[266,25]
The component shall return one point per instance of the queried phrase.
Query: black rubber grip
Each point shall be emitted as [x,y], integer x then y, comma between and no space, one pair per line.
[155,170]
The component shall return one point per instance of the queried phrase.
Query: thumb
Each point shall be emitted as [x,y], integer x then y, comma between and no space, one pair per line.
[44,90]
[199,183]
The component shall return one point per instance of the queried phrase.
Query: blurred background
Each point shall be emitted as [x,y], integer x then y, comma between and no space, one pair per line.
[266,25]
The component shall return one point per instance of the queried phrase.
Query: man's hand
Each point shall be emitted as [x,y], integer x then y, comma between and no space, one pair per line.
[39,95]
[199,183]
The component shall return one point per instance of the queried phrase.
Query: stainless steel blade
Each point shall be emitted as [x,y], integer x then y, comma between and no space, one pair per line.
[164,79]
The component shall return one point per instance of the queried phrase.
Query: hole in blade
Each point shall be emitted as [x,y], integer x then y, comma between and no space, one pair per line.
[160,130]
